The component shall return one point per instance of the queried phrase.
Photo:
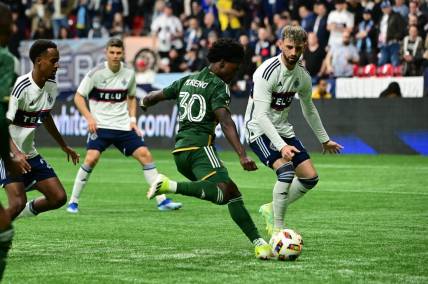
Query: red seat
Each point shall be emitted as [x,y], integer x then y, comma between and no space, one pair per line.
[386,70]
[398,71]
[369,70]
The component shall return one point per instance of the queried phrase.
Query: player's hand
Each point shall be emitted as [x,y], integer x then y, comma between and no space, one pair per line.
[247,163]
[71,153]
[92,125]
[331,147]
[287,152]
[136,129]
[21,160]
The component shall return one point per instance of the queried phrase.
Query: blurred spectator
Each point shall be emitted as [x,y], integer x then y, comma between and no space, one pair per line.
[172,63]
[341,58]
[82,18]
[193,34]
[264,48]
[209,25]
[320,24]
[279,22]
[401,8]
[64,33]
[209,6]
[365,36]
[412,51]
[118,26]
[109,10]
[392,91]
[167,32]
[229,12]
[338,21]
[41,18]
[320,92]
[42,32]
[422,21]
[192,62]
[392,29]
[247,67]
[355,8]
[97,30]
[61,9]
[313,56]
[197,12]
[307,18]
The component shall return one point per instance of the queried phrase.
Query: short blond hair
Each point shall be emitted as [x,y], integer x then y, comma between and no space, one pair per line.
[294,33]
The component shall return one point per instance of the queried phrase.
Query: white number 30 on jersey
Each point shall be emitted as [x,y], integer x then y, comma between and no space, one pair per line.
[186,105]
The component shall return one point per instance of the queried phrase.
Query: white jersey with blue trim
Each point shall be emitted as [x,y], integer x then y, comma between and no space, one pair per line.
[269,104]
[28,107]
[107,93]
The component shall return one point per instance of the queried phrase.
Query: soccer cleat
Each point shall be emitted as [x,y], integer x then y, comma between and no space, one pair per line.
[169,205]
[160,186]
[263,252]
[73,208]
[267,213]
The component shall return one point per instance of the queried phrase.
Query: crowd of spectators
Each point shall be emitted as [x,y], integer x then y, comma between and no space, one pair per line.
[346,38]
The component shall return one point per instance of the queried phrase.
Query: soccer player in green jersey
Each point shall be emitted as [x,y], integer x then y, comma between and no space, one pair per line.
[203,100]
[7,78]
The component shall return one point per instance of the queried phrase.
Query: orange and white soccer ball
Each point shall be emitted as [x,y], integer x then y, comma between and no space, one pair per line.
[286,244]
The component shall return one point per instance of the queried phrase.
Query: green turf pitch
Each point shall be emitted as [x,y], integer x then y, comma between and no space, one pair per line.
[366,222]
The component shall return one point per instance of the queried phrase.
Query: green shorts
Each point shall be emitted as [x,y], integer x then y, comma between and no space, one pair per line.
[201,164]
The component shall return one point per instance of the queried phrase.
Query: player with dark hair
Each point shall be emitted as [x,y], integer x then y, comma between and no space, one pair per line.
[111,88]
[271,136]
[31,100]
[203,99]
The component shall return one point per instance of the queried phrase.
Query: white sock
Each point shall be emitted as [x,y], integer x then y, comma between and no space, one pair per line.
[28,211]
[259,242]
[80,181]
[150,174]
[279,204]
[296,190]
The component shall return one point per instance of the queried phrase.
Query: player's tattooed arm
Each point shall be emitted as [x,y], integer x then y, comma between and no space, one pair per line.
[151,99]
[229,130]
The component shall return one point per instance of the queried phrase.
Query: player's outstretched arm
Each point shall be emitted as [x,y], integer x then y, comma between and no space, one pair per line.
[80,103]
[151,99]
[53,131]
[229,130]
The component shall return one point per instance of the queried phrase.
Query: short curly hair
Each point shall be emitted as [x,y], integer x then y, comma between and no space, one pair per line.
[227,49]
[39,47]
[294,33]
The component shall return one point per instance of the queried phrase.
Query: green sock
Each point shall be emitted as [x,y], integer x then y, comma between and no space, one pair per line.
[242,218]
[201,189]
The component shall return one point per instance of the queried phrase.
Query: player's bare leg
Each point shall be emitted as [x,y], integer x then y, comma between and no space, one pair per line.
[144,157]
[16,198]
[91,159]
[6,235]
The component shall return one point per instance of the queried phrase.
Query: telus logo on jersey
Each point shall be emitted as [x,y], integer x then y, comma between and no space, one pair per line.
[30,119]
[106,95]
[280,101]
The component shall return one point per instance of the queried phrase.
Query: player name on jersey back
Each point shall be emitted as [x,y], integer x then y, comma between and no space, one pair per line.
[196,83]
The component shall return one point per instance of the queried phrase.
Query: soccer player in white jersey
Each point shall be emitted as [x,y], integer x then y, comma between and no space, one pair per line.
[111,90]
[31,100]
[269,133]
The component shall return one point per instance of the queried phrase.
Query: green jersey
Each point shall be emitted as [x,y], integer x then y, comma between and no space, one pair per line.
[7,73]
[198,95]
